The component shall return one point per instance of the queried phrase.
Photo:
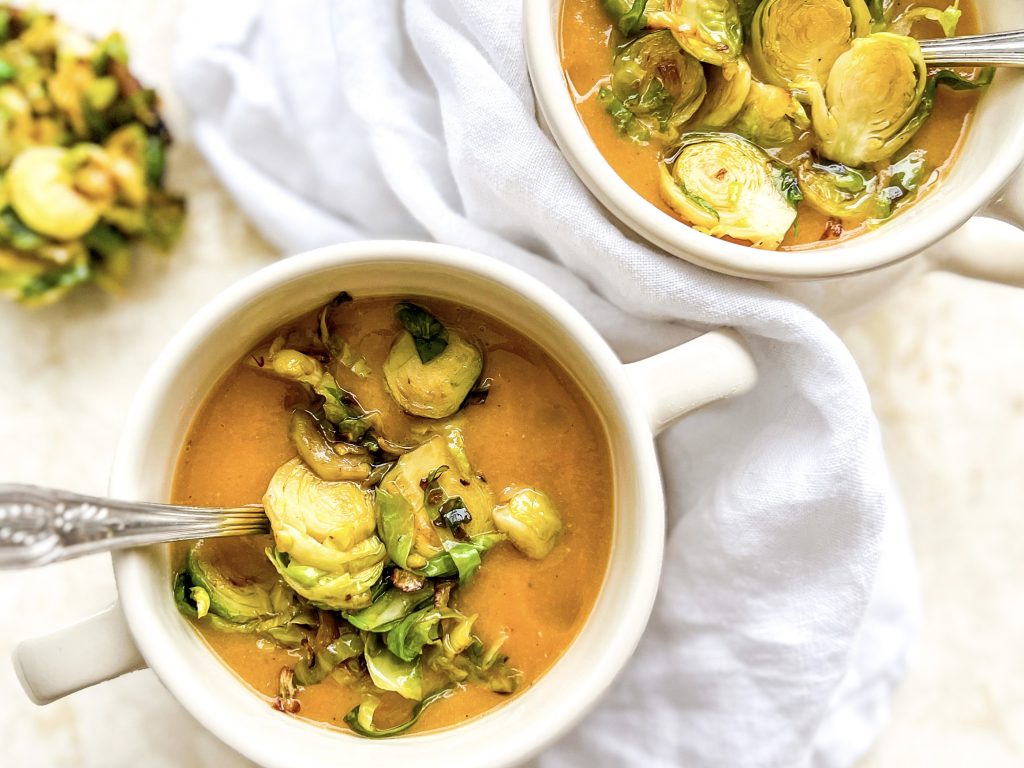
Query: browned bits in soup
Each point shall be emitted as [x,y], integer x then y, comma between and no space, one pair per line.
[782,124]
[441,497]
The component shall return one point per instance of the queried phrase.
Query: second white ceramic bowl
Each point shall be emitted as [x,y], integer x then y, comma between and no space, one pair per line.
[993,152]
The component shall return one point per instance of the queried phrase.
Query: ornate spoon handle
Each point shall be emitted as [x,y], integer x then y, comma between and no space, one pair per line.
[42,525]
[1000,49]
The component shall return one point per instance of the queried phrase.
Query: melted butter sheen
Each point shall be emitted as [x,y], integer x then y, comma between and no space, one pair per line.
[536,428]
[588,41]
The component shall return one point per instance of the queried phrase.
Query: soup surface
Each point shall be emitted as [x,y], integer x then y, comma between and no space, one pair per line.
[533,429]
[843,195]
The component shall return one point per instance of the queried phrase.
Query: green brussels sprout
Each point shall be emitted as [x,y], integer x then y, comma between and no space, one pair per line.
[435,389]
[337,461]
[871,106]
[655,88]
[708,30]
[388,610]
[728,88]
[210,590]
[530,520]
[771,116]
[325,535]
[406,519]
[793,41]
[722,184]
[41,188]
[838,191]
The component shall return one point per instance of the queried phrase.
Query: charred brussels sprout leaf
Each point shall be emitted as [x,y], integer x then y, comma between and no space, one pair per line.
[337,461]
[530,520]
[429,336]
[628,15]
[360,719]
[725,185]
[708,30]
[793,41]
[655,88]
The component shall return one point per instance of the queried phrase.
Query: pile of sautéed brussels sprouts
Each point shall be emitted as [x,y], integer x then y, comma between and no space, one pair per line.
[759,106]
[376,534]
[82,155]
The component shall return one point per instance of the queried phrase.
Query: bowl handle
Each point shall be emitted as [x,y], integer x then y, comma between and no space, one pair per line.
[76,657]
[990,246]
[709,368]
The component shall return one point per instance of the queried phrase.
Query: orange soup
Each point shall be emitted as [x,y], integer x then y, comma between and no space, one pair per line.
[833,187]
[440,493]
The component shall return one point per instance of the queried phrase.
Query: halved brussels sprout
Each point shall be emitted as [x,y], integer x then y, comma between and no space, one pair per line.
[771,116]
[728,88]
[435,389]
[530,520]
[838,191]
[792,41]
[326,547]
[402,504]
[655,88]
[708,30]
[41,189]
[337,461]
[869,109]
[234,601]
[722,184]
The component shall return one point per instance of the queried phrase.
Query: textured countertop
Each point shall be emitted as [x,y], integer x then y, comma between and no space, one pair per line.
[943,358]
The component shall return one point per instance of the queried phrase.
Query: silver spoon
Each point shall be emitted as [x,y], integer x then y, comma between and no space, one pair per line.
[42,525]
[999,49]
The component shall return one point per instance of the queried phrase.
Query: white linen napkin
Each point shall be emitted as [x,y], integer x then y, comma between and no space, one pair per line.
[779,629]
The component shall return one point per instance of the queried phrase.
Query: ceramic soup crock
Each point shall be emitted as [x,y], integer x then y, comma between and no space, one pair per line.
[634,401]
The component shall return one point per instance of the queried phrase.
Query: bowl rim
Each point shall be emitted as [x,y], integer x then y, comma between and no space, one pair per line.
[864,253]
[134,569]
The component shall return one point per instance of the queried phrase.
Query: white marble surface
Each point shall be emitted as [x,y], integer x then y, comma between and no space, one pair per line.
[943,358]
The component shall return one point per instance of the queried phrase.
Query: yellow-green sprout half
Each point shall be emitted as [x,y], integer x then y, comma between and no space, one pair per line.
[771,116]
[430,369]
[530,520]
[708,30]
[420,489]
[870,107]
[723,184]
[792,41]
[655,88]
[728,88]
[326,547]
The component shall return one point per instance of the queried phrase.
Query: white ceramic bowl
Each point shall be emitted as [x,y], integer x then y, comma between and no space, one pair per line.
[989,159]
[633,401]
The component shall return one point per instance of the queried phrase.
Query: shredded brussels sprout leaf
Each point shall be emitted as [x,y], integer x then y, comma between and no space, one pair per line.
[360,719]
